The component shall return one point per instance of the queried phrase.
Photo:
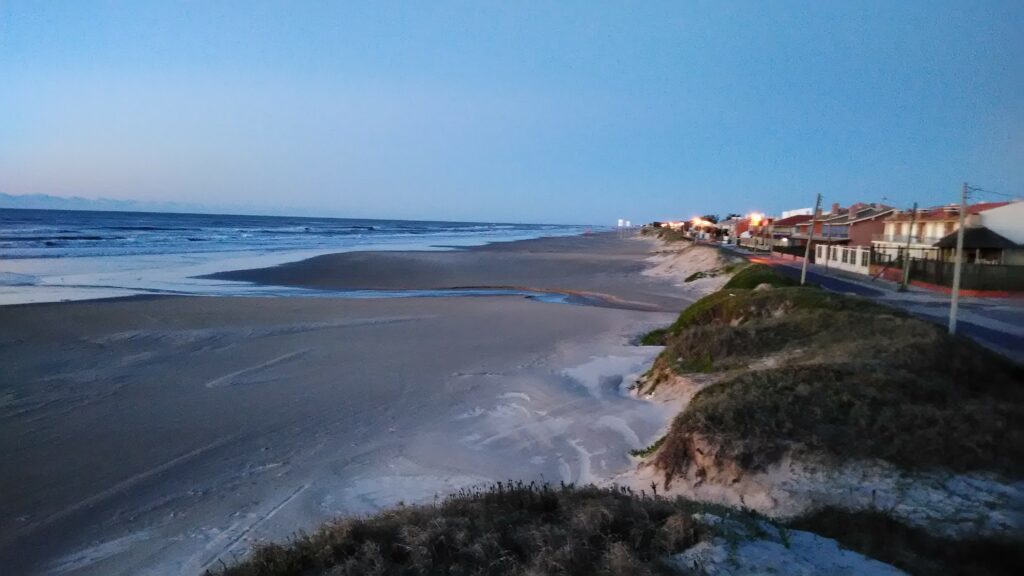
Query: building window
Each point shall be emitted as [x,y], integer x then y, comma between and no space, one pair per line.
[864,258]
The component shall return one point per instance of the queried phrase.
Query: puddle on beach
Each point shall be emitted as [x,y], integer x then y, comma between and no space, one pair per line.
[549,297]
[88,292]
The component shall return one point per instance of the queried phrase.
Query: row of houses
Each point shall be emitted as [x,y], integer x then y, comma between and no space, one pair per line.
[873,238]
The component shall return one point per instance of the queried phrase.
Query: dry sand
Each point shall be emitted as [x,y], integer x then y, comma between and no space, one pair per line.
[160,435]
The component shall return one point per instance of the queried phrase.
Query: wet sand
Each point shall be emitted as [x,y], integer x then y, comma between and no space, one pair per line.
[598,263]
[160,435]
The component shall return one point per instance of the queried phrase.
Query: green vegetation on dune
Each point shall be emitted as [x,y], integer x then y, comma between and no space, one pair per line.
[654,337]
[807,370]
[758,416]
[754,275]
[666,234]
[504,529]
[645,452]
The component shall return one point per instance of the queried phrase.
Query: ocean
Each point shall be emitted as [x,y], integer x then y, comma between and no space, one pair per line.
[53,255]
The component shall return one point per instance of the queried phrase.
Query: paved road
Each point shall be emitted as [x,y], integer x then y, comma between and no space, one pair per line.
[995,324]
[832,283]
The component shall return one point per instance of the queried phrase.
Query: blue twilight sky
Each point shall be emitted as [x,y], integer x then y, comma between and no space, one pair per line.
[512,111]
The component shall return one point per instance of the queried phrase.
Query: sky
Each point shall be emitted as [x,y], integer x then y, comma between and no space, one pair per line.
[562,112]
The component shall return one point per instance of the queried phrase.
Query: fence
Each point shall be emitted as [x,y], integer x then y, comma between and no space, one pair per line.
[793,251]
[972,276]
[1000,277]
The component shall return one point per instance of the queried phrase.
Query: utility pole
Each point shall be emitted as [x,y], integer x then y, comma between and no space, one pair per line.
[810,237]
[955,301]
[906,250]
[828,244]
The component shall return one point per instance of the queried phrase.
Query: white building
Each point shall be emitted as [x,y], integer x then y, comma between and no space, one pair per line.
[797,212]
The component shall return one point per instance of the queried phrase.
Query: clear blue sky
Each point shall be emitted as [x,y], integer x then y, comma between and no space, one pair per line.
[513,111]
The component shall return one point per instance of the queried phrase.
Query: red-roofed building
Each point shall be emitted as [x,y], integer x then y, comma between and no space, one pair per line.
[853,226]
[784,228]
[929,226]
[842,238]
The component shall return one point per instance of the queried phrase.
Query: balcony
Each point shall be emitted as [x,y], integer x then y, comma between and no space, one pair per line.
[838,237]
[903,238]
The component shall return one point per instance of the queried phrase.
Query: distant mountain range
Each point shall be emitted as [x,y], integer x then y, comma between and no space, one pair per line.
[48,202]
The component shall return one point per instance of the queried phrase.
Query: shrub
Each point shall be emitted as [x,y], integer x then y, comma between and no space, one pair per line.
[645,452]
[504,529]
[756,274]
[654,337]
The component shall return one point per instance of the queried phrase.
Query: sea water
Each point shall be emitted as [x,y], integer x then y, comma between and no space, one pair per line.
[53,255]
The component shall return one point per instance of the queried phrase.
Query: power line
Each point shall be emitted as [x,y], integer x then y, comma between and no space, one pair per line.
[985,191]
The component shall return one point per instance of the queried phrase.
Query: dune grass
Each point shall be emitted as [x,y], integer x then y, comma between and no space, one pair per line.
[837,375]
[666,234]
[504,529]
[645,452]
[754,275]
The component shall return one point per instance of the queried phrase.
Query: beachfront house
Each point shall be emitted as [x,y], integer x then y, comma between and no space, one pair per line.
[993,253]
[826,228]
[996,236]
[784,229]
[729,227]
[918,234]
[848,236]
[757,232]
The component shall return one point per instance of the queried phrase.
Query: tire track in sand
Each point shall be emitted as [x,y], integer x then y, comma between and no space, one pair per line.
[232,378]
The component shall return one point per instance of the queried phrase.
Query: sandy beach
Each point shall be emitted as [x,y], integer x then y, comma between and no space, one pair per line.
[156,435]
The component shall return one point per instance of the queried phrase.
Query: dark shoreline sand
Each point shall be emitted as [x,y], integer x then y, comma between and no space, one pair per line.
[602,264]
[156,435]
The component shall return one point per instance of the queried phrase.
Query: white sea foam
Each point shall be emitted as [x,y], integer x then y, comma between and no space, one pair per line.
[13,279]
[55,255]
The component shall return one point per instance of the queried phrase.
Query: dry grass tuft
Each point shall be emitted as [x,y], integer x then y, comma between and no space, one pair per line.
[505,529]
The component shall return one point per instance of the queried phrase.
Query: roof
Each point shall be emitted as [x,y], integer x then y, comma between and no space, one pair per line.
[793,220]
[982,206]
[861,211]
[977,237]
[871,213]
[948,212]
